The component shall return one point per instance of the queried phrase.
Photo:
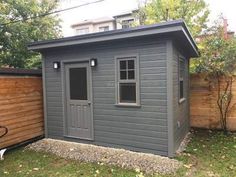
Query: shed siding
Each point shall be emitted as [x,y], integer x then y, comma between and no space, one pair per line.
[143,128]
[180,110]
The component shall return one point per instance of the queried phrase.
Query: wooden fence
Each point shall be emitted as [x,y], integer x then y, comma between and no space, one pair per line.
[21,108]
[203,106]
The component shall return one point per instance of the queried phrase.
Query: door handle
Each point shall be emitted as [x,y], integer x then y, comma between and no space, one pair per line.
[89,103]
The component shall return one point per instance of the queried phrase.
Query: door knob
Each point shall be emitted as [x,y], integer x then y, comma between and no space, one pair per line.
[89,103]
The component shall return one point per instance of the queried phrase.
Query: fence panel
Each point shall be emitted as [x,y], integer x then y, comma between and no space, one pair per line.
[21,108]
[204,112]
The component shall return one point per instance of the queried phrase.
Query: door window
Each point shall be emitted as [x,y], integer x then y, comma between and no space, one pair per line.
[78,83]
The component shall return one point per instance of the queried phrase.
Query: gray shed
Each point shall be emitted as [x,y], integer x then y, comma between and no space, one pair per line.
[125,88]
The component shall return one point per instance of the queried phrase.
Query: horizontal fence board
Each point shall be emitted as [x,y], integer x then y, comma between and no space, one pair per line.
[22,138]
[204,111]
[21,109]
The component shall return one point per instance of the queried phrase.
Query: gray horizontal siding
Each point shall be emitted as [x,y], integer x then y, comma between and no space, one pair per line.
[181,110]
[143,128]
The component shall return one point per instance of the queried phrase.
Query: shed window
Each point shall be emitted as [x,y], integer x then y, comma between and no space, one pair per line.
[181,79]
[127,81]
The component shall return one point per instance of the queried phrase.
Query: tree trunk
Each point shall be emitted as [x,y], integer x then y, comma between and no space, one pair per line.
[224,97]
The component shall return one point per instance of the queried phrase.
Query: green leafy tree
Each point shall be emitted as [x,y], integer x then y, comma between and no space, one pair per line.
[218,60]
[21,22]
[194,12]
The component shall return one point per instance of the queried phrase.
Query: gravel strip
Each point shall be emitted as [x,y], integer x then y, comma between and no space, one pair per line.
[147,163]
[184,143]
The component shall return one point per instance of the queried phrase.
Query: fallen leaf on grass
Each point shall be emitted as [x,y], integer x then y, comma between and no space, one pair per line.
[140,175]
[223,157]
[36,169]
[97,171]
[212,174]
[188,166]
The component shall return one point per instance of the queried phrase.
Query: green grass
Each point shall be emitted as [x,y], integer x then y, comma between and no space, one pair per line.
[26,163]
[208,154]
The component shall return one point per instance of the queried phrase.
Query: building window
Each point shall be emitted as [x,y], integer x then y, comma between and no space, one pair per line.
[103,28]
[81,31]
[181,79]
[127,81]
[127,23]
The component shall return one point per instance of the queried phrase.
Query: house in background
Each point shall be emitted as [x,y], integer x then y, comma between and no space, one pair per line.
[125,20]
[227,34]
[125,88]
[95,25]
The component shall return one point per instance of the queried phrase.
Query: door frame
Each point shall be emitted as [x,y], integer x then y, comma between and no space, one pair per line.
[64,97]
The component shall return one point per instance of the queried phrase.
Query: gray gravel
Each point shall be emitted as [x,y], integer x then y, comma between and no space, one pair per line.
[147,163]
[184,143]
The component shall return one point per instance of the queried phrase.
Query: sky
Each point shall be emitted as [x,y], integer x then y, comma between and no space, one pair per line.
[109,8]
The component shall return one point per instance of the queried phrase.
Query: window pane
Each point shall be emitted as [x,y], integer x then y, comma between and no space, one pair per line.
[130,64]
[131,74]
[82,31]
[181,89]
[181,68]
[127,92]
[78,83]
[104,28]
[123,75]
[127,23]
[181,77]
[123,65]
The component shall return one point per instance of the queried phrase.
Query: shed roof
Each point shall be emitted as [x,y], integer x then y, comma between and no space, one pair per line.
[175,28]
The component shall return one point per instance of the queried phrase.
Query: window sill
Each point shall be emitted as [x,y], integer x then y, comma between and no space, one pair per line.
[127,105]
[182,100]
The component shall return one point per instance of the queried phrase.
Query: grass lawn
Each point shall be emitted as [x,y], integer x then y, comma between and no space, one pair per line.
[208,154]
[26,163]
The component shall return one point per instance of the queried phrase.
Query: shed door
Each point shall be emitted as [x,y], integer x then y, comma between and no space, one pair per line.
[78,101]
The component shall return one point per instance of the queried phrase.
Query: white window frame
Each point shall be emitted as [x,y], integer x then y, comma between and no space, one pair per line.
[136,80]
[102,28]
[85,30]
[181,60]
[127,23]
